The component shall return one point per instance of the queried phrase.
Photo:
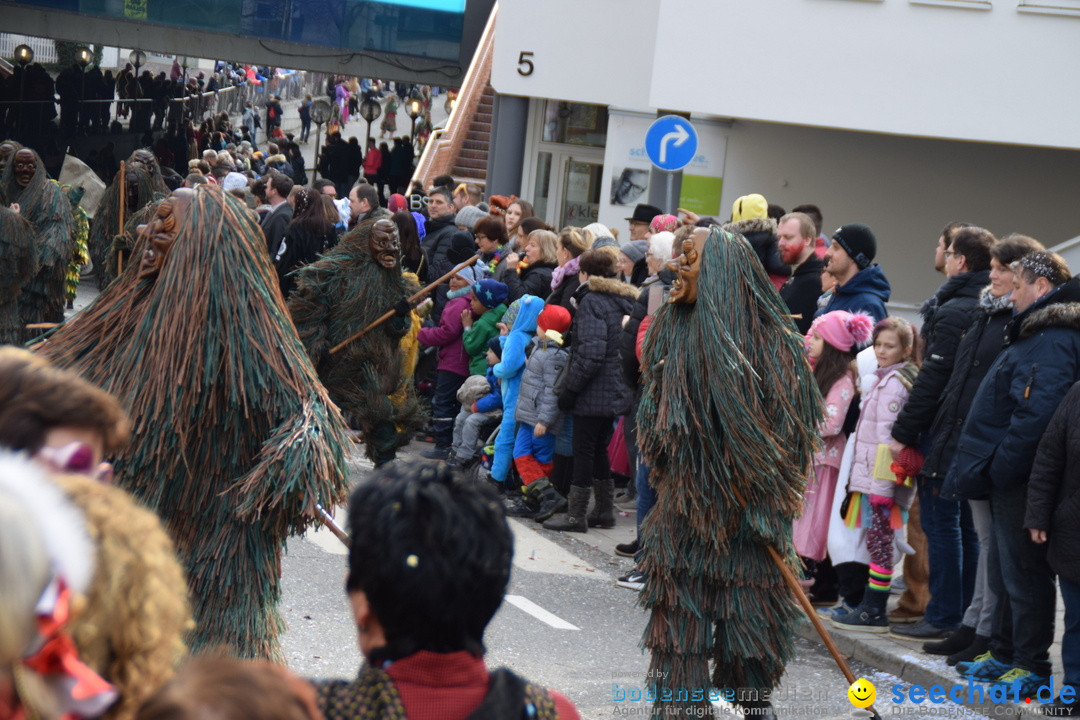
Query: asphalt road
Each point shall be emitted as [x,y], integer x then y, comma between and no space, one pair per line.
[564,624]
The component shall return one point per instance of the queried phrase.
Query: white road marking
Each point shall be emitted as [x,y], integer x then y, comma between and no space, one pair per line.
[540,613]
[535,553]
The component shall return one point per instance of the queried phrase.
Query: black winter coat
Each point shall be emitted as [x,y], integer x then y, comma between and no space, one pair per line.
[1019,396]
[945,319]
[1053,494]
[561,295]
[628,343]
[594,376]
[533,280]
[761,234]
[978,348]
[802,291]
[298,248]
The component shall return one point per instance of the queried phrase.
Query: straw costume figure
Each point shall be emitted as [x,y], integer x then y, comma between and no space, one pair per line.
[145,187]
[80,250]
[234,439]
[727,421]
[18,263]
[336,297]
[43,205]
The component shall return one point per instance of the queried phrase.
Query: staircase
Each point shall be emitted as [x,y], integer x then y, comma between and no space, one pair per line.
[462,148]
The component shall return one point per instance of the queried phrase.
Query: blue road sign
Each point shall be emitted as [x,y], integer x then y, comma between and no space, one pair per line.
[671,142]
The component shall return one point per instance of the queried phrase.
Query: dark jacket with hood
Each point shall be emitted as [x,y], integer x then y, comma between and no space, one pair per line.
[761,234]
[594,377]
[802,291]
[1019,395]
[978,348]
[533,280]
[438,234]
[946,317]
[867,292]
[1053,493]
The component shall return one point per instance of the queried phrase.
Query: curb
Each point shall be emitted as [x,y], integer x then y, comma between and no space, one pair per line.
[887,655]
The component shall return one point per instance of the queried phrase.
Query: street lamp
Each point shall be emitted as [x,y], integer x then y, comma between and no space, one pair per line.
[320,113]
[414,112]
[83,56]
[370,110]
[451,102]
[24,55]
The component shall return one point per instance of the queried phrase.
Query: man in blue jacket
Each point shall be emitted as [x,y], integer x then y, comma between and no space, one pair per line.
[860,284]
[994,456]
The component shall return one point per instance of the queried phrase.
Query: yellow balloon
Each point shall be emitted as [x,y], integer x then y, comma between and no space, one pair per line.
[862,693]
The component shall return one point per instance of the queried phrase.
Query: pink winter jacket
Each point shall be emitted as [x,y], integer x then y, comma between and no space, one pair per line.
[880,409]
[831,427]
[448,337]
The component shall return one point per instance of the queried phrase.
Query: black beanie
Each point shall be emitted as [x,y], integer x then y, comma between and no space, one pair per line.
[495,346]
[858,241]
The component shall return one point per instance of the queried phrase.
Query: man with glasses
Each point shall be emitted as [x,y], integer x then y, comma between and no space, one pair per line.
[952,549]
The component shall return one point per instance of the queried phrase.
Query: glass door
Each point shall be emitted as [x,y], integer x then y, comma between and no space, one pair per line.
[580,193]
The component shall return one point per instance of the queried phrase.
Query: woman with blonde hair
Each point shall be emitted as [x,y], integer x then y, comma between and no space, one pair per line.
[531,274]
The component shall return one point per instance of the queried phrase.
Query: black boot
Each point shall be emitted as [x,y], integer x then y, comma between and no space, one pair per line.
[956,642]
[977,647]
[548,500]
[573,520]
[603,513]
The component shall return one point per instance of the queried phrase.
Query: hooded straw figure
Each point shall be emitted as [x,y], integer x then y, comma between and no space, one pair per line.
[234,438]
[18,263]
[108,240]
[336,297]
[727,421]
[43,205]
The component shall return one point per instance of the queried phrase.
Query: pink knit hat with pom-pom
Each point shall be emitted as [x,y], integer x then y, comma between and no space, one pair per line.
[842,330]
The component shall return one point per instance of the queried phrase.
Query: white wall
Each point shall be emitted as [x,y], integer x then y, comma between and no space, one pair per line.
[927,68]
[590,51]
[907,189]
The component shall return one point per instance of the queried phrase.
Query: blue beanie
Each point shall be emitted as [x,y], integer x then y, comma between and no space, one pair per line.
[490,293]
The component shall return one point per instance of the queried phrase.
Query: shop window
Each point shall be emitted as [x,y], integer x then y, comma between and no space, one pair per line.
[575,123]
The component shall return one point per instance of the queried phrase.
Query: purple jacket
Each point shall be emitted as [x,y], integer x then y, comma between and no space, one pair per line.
[447,336]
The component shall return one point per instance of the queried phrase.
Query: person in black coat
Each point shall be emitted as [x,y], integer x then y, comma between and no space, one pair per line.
[996,452]
[564,279]
[593,390]
[531,274]
[276,222]
[950,535]
[1053,523]
[310,233]
[797,236]
[978,348]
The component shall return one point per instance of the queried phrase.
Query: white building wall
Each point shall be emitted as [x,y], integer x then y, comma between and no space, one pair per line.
[986,70]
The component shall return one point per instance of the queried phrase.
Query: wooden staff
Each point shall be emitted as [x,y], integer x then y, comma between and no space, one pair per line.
[334,527]
[123,199]
[412,298]
[808,608]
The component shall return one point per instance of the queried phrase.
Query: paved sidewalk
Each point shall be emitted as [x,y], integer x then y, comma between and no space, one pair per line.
[904,659]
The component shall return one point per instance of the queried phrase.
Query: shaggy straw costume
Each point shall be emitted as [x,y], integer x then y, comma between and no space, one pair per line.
[234,439]
[80,232]
[145,188]
[336,297]
[727,421]
[43,205]
[18,263]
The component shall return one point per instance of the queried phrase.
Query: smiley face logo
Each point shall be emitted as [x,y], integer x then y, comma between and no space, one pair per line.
[862,693]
